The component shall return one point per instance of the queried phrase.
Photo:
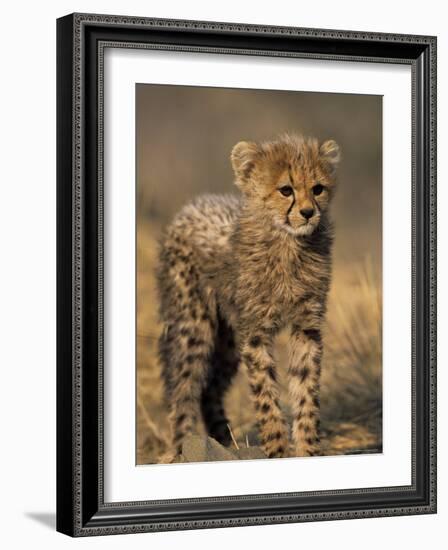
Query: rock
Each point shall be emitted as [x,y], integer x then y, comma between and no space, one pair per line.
[204,449]
[250,453]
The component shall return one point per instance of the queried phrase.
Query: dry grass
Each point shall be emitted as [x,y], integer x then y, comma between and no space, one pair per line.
[351,375]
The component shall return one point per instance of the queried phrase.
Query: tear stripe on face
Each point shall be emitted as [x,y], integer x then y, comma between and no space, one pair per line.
[290,207]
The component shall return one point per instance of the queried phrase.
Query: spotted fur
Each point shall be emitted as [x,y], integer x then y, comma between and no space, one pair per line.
[233,272]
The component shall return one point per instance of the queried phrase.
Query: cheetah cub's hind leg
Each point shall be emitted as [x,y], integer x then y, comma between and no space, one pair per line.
[185,350]
[190,360]
[224,365]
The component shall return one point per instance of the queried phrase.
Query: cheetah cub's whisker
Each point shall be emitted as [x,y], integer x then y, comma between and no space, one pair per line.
[233,272]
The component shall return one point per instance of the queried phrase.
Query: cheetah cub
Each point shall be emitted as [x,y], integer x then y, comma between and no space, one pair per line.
[233,272]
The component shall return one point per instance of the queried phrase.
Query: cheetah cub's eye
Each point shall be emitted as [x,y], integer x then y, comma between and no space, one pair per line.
[286,190]
[317,189]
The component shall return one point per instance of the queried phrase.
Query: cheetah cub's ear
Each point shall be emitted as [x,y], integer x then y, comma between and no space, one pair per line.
[330,154]
[243,158]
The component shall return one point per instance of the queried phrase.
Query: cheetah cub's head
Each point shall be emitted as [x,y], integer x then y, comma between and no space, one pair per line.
[292,180]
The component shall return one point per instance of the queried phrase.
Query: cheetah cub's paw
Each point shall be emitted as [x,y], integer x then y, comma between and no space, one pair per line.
[315,450]
[168,457]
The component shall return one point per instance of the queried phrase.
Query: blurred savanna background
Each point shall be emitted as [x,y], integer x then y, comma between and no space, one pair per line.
[184,136]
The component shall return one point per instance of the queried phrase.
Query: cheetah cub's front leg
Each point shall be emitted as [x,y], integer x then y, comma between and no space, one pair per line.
[304,381]
[258,359]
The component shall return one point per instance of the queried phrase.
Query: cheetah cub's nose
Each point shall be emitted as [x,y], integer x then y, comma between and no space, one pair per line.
[307,213]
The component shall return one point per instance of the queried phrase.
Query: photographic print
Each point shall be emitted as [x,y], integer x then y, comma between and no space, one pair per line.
[259,262]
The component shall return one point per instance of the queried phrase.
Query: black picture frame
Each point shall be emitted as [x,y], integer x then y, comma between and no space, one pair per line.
[81,509]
